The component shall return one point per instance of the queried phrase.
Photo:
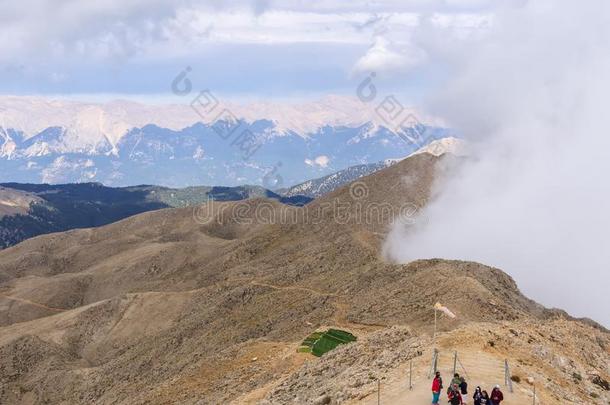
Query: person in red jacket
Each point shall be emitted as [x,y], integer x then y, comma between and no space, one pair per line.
[437,386]
[496,396]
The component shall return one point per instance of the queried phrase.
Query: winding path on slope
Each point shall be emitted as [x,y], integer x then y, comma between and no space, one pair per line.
[294,288]
[32,303]
[341,307]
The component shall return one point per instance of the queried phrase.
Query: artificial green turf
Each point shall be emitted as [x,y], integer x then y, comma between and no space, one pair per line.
[319,343]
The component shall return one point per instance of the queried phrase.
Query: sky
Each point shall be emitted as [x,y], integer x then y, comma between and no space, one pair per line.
[242,49]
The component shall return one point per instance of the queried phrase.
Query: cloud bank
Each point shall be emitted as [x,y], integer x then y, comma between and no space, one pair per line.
[531,95]
[382,57]
[247,46]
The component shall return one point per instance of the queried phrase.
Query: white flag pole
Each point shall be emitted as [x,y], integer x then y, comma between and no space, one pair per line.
[434,336]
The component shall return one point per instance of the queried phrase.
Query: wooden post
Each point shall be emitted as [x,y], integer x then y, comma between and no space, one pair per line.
[378,391]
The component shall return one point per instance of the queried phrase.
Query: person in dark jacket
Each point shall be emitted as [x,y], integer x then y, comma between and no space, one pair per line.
[437,386]
[485,398]
[463,389]
[496,396]
[477,396]
[455,398]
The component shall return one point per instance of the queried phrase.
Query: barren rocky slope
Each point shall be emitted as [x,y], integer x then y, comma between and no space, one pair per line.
[208,305]
[14,201]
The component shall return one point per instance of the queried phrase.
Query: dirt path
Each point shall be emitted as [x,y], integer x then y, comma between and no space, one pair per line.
[294,288]
[341,307]
[479,368]
[340,319]
[32,303]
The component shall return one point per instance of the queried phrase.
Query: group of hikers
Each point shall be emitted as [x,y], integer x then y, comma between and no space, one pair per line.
[458,390]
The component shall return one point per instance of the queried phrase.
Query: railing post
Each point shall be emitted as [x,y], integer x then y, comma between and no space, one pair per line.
[507,377]
[433,364]
[378,391]
[410,375]
[463,368]
[534,398]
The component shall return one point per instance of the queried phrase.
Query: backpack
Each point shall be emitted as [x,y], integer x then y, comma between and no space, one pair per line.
[455,400]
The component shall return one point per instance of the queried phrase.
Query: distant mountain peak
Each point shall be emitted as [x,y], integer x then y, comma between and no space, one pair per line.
[116,118]
[438,147]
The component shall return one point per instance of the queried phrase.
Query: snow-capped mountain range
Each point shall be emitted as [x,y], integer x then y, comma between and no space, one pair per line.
[317,187]
[204,142]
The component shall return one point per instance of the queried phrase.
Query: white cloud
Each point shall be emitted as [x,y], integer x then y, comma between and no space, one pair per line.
[129,46]
[32,165]
[383,56]
[532,96]
[117,30]
[39,29]
[320,161]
